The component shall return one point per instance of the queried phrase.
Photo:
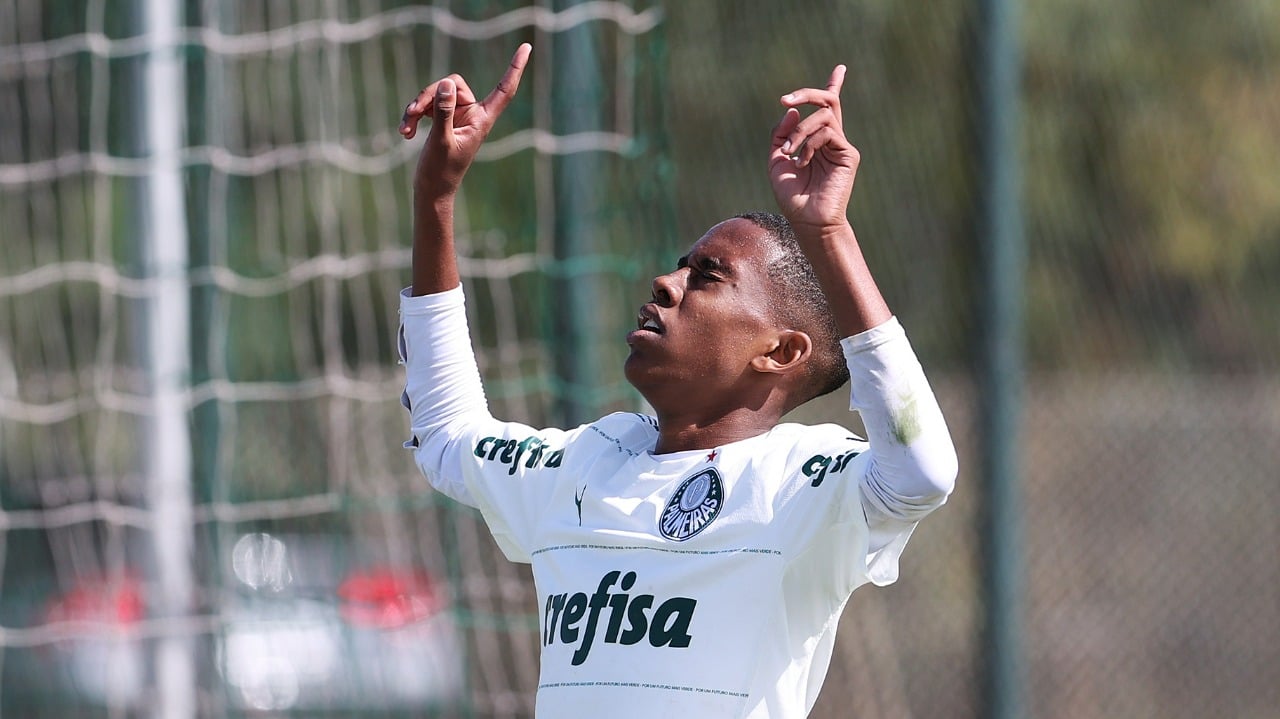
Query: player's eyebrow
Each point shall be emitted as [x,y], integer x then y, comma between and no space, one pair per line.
[707,264]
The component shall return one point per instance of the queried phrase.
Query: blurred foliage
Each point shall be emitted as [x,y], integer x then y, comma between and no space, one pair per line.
[1152,203]
[1152,196]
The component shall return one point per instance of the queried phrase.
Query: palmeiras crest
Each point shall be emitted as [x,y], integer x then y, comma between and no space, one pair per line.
[694,505]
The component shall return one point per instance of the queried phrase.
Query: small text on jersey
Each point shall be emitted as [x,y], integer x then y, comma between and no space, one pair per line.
[819,465]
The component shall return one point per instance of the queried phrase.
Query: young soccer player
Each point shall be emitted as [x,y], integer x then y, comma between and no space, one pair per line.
[694,563]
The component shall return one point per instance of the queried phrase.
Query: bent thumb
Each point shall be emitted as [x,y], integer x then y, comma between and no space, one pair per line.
[446,100]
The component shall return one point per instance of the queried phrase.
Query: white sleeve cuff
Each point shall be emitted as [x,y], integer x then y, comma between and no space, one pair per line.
[428,304]
[886,331]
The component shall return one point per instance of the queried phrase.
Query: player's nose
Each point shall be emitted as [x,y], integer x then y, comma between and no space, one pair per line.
[666,289]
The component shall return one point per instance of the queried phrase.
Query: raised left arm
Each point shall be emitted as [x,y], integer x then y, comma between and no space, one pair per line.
[812,166]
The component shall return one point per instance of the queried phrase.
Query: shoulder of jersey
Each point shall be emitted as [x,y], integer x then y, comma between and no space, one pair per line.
[815,435]
[630,431]
[820,450]
[802,441]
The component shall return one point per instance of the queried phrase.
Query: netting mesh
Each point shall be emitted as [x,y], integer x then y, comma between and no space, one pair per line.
[325,578]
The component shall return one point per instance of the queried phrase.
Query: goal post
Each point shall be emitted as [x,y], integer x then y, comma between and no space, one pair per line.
[167,353]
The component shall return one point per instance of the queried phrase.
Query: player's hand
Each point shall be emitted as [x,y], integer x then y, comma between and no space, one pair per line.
[459,125]
[812,164]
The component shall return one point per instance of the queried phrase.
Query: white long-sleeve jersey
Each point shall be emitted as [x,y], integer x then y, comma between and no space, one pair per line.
[705,583]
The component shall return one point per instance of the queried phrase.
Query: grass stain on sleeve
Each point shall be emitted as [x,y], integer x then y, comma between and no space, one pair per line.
[904,421]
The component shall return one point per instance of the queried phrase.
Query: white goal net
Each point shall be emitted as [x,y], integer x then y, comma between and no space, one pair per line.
[205,508]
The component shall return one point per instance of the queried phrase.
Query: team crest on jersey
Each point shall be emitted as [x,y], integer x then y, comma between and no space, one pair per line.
[694,505]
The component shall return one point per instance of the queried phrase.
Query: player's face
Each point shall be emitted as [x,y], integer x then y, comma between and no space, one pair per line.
[708,318]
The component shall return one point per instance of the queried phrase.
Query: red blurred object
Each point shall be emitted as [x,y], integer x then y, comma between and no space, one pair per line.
[387,599]
[117,600]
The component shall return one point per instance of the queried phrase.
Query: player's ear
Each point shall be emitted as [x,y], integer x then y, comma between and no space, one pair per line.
[790,351]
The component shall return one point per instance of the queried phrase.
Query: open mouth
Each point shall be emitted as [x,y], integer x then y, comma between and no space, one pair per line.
[647,321]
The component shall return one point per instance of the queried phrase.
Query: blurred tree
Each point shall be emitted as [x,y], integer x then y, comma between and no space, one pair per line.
[1152,191]
[1153,208]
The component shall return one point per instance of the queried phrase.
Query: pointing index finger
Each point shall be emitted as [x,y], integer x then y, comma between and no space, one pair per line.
[829,97]
[837,79]
[502,94]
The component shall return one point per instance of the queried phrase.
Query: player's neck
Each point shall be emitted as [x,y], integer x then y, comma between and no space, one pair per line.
[680,432]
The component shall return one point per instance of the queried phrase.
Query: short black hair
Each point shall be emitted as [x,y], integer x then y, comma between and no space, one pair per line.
[798,299]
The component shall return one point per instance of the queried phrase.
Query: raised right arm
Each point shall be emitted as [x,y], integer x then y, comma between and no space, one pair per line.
[458,128]
[443,392]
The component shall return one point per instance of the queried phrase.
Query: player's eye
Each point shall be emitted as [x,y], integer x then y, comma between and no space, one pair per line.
[698,270]
[702,274]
